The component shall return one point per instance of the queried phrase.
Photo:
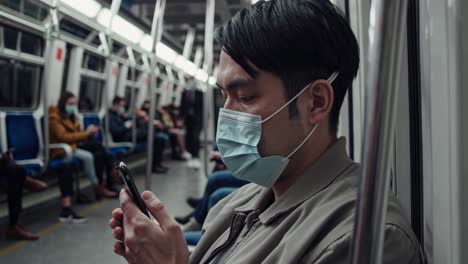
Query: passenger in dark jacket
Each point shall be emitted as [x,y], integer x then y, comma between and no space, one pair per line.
[120,128]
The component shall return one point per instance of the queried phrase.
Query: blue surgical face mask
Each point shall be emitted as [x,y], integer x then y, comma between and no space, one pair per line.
[237,137]
[121,110]
[70,109]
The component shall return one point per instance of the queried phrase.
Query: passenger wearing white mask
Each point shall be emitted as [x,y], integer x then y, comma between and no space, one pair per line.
[285,68]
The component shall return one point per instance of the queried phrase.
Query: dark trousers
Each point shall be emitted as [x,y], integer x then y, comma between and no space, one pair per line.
[192,136]
[102,161]
[175,151]
[158,150]
[65,181]
[158,147]
[16,176]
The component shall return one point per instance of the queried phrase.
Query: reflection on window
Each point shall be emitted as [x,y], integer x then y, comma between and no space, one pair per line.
[28,43]
[13,4]
[10,37]
[19,85]
[33,10]
[129,100]
[90,94]
[28,7]
[31,44]
[93,62]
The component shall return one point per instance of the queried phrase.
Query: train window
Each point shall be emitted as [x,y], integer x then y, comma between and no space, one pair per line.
[19,85]
[129,75]
[130,100]
[74,28]
[90,94]
[35,11]
[13,4]
[10,37]
[31,44]
[93,62]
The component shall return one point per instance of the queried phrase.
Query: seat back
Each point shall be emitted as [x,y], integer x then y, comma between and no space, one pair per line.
[22,135]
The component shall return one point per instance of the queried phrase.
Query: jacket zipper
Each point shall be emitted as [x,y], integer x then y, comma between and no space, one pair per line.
[233,234]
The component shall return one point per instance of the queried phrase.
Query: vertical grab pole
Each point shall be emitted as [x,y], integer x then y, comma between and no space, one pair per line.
[52,27]
[115,6]
[133,105]
[388,20]
[156,33]
[208,66]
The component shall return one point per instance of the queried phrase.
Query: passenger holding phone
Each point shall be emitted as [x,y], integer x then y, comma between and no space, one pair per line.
[284,70]
[65,128]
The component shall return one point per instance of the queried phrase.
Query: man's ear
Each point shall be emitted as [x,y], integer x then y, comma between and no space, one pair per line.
[320,98]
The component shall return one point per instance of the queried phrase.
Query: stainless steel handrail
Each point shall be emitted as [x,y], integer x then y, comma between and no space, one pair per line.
[387,24]
[156,34]
[208,66]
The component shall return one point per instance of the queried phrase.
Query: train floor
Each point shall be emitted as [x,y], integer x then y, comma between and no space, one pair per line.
[92,242]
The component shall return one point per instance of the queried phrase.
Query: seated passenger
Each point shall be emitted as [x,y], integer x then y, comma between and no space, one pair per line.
[65,128]
[176,135]
[121,130]
[284,69]
[16,181]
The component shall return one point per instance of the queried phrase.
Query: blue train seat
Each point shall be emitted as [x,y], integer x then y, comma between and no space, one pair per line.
[117,149]
[22,135]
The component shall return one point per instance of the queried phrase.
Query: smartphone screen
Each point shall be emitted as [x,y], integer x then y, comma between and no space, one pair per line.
[123,174]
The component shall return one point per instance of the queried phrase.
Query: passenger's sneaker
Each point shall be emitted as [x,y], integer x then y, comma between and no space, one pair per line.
[67,215]
[186,155]
[192,225]
[194,163]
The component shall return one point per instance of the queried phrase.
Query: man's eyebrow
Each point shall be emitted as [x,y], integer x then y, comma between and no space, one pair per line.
[235,84]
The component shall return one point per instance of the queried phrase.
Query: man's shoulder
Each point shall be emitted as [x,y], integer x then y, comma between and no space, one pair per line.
[399,246]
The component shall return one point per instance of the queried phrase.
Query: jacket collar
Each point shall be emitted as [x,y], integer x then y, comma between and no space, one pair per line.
[316,178]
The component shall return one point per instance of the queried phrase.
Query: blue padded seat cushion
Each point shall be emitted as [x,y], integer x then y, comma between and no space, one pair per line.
[61,163]
[117,151]
[22,135]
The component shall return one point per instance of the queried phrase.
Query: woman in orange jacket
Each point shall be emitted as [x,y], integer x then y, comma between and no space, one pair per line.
[65,128]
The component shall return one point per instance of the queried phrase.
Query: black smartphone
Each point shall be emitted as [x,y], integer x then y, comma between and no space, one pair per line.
[122,173]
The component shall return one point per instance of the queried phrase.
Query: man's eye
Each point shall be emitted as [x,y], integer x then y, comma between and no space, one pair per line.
[245,99]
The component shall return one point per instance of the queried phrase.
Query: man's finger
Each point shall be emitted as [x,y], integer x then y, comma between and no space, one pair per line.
[119,234]
[119,249]
[113,223]
[129,208]
[157,209]
[117,214]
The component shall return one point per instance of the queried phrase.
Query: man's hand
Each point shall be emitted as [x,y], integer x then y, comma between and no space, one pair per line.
[143,240]
[158,124]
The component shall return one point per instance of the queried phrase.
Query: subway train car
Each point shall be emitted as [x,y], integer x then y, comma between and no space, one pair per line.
[94,93]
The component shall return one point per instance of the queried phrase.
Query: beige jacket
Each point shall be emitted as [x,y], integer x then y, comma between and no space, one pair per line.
[311,223]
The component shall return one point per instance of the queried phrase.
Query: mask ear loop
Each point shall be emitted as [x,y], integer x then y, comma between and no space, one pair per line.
[330,80]
[303,142]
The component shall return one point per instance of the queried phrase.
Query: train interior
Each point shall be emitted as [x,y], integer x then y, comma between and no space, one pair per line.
[150,51]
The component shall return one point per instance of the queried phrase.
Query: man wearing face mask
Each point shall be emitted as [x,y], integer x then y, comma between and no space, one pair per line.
[285,68]
[121,129]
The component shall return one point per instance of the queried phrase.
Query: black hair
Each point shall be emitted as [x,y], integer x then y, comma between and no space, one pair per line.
[117,100]
[62,102]
[299,41]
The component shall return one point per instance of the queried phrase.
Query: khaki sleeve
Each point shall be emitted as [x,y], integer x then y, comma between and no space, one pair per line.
[398,248]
